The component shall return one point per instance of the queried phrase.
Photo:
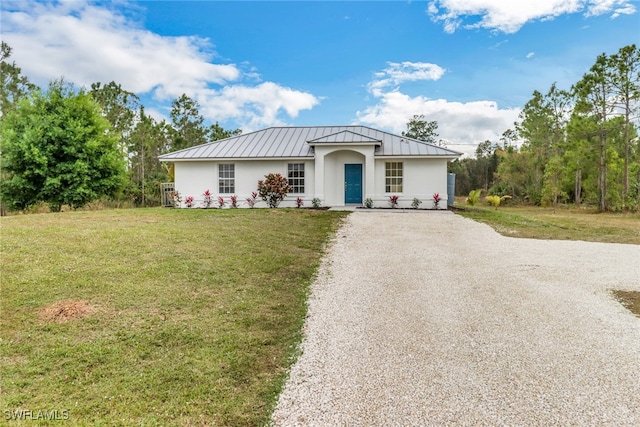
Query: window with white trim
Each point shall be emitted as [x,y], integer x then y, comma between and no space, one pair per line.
[226,178]
[393,177]
[295,176]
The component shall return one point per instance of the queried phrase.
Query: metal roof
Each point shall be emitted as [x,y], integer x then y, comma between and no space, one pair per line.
[298,142]
[346,136]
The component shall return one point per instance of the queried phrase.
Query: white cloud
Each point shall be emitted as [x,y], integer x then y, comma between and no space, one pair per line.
[509,16]
[530,55]
[87,43]
[398,73]
[255,107]
[462,124]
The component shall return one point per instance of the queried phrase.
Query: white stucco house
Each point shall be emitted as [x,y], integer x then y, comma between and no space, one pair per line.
[339,165]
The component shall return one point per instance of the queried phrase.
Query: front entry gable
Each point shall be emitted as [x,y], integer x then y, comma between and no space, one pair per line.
[345,137]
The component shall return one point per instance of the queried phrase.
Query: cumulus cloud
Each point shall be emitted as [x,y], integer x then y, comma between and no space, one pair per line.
[398,73]
[509,16]
[86,43]
[255,107]
[461,124]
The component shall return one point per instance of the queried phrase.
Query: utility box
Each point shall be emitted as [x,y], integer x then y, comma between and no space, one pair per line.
[451,189]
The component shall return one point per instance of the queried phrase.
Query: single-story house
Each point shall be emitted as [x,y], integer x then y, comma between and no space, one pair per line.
[338,165]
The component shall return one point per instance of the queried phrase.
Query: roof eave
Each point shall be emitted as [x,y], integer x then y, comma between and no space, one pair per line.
[228,159]
[420,156]
[321,144]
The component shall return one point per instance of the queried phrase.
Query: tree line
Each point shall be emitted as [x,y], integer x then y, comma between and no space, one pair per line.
[576,146]
[69,146]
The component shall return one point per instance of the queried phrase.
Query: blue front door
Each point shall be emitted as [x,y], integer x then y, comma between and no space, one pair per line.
[352,183]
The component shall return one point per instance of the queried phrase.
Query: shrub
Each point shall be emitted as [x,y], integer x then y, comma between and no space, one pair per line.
[368,203]
[188,202]
[234,201]
[299,202]
[221,202]
[273,189]
[176,198]
[416,202]
[315,202]
[436,200]
[393,201]
[496,200]
[474,196]
[493,201]
[251,201]
[208,199]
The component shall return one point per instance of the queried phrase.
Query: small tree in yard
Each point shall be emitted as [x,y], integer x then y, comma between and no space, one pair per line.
[273,189]
[57,148]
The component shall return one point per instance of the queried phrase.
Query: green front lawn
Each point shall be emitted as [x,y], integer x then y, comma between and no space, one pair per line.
[155,316]
[560,224]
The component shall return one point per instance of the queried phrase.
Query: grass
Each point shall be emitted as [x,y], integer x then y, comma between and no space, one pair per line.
[564,224]
[559,224]
[155,316]
[630,299]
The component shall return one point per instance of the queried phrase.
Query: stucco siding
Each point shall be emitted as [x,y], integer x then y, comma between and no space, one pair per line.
[193,178]
[334,174]
[421,179]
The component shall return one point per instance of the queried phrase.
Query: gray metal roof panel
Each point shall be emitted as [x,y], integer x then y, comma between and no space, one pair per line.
[344,136]
[287,142]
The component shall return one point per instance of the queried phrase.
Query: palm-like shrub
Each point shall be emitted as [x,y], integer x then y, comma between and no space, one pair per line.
[474,196]
[496,200]
[493,201]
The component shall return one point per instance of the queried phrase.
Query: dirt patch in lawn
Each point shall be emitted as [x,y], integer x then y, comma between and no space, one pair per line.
[65,311]
[630,299]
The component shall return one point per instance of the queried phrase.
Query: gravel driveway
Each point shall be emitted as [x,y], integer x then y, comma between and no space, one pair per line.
[427,318]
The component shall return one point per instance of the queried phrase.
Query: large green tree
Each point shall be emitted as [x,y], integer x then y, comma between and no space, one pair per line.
[188,123]
[625,79]
[580,145]
[217,132]
[13,85]
[148,140]
[595,100]
[422,130]
[120,107]
[58,149]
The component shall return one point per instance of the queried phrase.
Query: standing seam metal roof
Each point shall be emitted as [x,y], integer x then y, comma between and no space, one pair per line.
[297,142]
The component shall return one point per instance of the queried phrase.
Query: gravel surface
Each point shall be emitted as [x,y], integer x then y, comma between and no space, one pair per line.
[427,318]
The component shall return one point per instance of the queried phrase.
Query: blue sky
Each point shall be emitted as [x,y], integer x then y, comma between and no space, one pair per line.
[469,64]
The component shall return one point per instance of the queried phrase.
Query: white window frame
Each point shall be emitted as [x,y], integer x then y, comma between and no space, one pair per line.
[226,178]
[393,174]
[297,182]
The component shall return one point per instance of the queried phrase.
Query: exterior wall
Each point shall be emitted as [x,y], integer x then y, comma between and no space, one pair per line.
[330,161]
[334,175]
[421,178]
[193,178]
